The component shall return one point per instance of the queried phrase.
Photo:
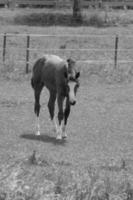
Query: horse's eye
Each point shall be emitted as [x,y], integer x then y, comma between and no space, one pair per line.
[77,85]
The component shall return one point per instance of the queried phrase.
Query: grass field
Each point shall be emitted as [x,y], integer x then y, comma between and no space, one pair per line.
[95,162]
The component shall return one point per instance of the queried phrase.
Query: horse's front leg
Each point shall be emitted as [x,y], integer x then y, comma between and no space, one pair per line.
[66,115]
[37,92]
[60,101]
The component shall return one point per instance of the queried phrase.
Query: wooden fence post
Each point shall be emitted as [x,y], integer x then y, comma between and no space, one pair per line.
[27,54]
[116,51]
[4,47]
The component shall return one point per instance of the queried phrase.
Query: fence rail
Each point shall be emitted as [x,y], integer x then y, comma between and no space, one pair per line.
[69,3]
[28,49]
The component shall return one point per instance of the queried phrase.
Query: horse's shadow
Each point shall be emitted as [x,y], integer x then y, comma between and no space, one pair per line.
[43,138]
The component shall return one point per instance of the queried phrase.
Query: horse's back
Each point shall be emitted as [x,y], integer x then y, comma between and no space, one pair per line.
[49,69]
[53,72]
[53,59]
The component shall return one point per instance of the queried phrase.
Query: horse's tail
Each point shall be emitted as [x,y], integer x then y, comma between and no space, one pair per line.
[37,72]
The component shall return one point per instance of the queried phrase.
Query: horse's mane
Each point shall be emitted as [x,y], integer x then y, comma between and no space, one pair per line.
[71,67]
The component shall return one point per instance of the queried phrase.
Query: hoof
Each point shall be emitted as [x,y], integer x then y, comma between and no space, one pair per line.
[59,137]
[38,133]
[64,137]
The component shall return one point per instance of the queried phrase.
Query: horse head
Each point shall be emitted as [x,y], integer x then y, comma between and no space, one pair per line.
[72,81]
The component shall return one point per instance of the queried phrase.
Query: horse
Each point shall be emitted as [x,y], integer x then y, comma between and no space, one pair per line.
[61,79]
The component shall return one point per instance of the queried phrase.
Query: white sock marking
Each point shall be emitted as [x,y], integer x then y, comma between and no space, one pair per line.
[59,132]
[64,131]
[37,126]
[55,124]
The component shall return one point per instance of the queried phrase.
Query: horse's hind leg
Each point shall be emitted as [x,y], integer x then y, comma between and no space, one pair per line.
[51,107]
[37,92]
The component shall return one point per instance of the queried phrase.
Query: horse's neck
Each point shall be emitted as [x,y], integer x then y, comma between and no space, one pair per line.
[71,71]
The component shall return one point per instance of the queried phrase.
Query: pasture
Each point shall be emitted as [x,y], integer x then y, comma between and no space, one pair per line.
[95,162]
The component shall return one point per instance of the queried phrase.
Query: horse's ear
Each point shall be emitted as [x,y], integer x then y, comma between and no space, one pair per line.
[77,75]
[70,61]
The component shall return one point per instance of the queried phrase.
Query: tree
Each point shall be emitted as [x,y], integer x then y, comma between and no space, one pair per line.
[77,15]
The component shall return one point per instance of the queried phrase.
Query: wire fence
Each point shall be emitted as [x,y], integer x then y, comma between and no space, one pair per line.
[114,53]
[68,3]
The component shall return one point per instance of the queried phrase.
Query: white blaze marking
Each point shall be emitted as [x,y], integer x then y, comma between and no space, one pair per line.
[72,85]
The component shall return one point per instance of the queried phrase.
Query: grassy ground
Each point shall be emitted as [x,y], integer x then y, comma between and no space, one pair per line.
[95,162]
[96,159]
